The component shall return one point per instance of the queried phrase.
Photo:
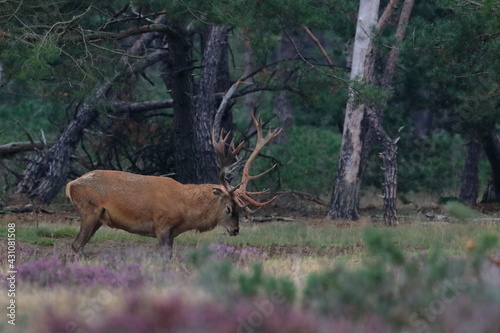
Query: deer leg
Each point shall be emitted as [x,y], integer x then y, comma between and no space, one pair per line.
[166,240]
[89,224]
[96,227]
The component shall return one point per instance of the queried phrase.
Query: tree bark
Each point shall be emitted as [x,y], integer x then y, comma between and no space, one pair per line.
[177,75]
[344,203]
[389,153]
[250,102]
[281,104]
[491,145]
[390,167]
[136,107]
[194,106]
[207,169]
[224,84]
[469,187]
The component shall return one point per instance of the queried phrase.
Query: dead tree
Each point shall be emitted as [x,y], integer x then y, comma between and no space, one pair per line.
[47,172]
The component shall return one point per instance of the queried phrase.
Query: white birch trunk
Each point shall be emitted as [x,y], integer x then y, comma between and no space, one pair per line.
[345,198]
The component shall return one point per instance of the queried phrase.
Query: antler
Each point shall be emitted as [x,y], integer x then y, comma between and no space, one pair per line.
[239,193]
[225,159]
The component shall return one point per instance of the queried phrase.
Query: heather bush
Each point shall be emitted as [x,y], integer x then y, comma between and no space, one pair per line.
[221,251]
[217,251]
[142,314]
[405,291]
[256,282]
[218,275]
[23,253]
[52,271]
[175,315]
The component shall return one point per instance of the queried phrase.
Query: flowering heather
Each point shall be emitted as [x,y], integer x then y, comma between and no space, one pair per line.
[174,315]
[52,271]
[23,252]
[142,313]
[226,251]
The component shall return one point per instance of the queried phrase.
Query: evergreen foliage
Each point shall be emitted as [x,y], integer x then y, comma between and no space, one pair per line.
[53,53]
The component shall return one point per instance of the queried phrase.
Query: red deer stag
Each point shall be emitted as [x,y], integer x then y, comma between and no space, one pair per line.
[160,206]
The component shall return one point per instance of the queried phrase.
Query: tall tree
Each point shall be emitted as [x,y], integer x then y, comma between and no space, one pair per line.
[376,114]
[344,203]
[206,166]
[364,120]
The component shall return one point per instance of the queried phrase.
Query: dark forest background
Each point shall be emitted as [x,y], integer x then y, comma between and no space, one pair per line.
[137,86]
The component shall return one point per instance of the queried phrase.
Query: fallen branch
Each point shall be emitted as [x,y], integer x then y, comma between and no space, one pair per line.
[261,219]
[21,147]
[304,196]
[28,208]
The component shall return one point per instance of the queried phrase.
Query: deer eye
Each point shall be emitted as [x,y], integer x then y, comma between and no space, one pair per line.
[228,210]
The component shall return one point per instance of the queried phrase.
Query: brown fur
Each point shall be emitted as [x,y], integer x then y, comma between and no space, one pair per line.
[146,205]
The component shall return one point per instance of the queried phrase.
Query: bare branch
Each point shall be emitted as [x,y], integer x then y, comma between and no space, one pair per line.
[318,44]
[222,106]
[382,22]
[134,107]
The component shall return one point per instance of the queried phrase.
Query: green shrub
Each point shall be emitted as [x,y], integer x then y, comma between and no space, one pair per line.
[460,211]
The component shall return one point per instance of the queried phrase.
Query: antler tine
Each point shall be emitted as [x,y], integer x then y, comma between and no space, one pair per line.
[243,197]
[255,203]
[261,142]
[225,159]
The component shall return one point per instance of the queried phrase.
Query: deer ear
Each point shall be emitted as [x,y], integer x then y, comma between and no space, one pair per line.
[218,191]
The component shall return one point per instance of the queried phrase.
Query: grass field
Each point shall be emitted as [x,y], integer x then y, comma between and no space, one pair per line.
[308,275]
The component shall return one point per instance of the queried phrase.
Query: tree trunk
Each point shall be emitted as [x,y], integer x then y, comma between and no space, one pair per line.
[224,84]
[389,153]
[47,172]
[390,167]
[358,136]
[390,162]
[177,75]
[196,161]
[491,145]
[207,169]
[251,103]
[345,198]
[469,188]
[281,104]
